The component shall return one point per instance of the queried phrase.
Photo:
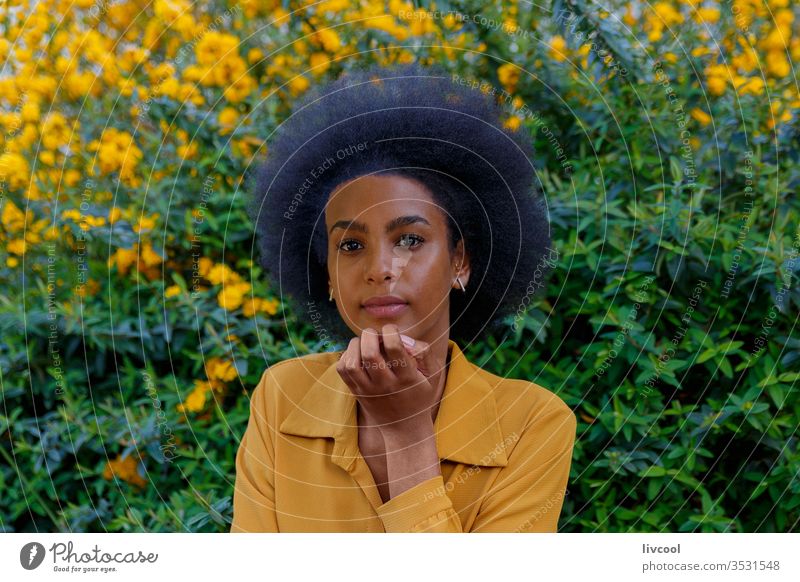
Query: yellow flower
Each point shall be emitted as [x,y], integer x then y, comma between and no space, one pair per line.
[149,257]
[701,116]
[558,48]
[221,370]
[386,23]
[187,152]
[72,177]
[14,170]
[670,57]
[241,148]
[319,63]
[232,295]
[239,88]
[30,111]
[89,221]
[193,73]
[172,291]
[114,214]
[509,26]
[170,11]
[333,6]
[785,15]
[12,217]
[667,13]
[255,304]
[708,15]
[512,123]
[630,17]
[716,85]
[214,46]
[218,53]
[508,75]
[204,265]
[131,58]
[72,214]
[89,288]
[254,55]
[250,306]
[298,85]
[716,79]
[123,258]
[777,64]
[228,70]
[117,152]
[146,222]
[78,84]
[55,132]
[227,119]
[327,39]
[196,400]
[270,306]
[420,25]
[656,30]
[126,468]
[220,274]
[16,246]
[751,86]
[777,39]
[747,60]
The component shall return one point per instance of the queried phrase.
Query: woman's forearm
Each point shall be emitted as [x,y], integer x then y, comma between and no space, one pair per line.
[411,454]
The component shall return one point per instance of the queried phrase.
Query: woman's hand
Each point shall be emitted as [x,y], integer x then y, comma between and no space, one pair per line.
[391,383]
[390,380]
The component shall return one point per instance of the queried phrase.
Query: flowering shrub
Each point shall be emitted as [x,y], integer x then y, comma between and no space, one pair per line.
[136,322]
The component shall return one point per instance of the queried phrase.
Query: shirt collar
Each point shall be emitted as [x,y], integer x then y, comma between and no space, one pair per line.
[467,426]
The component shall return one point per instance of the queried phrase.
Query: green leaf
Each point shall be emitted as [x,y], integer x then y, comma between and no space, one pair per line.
[653,471]
[725,367]
[706,355]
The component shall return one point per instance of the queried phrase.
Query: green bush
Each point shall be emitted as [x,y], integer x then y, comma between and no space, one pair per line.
[669,323]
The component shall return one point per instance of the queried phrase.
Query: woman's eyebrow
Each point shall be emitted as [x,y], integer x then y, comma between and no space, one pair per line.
[393,224]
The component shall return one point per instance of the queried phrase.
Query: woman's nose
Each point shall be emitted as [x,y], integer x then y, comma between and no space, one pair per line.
[381,265]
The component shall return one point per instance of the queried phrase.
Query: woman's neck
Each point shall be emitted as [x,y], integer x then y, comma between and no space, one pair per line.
[439,378]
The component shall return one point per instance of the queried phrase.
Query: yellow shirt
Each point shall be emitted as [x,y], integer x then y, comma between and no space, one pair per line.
[505,447]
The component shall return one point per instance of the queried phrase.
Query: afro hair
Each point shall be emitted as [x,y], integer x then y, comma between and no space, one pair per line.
[420,123]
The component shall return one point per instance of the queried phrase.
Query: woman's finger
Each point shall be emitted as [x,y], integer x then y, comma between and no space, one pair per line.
[399,360]
[349,367]
[376,363]
[421,353]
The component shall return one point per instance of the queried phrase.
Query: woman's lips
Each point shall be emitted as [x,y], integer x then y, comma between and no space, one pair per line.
[390,310]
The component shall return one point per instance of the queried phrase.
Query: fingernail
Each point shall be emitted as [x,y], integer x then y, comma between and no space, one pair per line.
[407,340]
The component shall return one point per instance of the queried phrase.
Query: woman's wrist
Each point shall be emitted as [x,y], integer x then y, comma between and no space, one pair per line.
[408,432]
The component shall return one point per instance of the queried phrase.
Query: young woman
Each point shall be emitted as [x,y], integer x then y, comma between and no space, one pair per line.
[400,216]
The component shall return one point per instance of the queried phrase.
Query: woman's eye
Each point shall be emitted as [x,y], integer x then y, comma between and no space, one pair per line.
[410,239]
[407,240]
[344,245]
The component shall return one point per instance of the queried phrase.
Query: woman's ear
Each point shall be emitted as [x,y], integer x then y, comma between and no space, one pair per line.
[461,266]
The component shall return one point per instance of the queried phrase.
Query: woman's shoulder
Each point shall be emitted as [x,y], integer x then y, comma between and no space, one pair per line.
[293,376]
[524,403]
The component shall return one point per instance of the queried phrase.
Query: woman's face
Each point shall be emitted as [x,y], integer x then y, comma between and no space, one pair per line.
[388,242]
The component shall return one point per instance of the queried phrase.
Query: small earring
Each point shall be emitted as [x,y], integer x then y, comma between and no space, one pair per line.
[462,284]
[330,295]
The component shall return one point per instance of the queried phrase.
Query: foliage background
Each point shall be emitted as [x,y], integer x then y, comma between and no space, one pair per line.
[135,323]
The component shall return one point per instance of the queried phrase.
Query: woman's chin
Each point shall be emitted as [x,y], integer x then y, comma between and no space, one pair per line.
[402,322]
